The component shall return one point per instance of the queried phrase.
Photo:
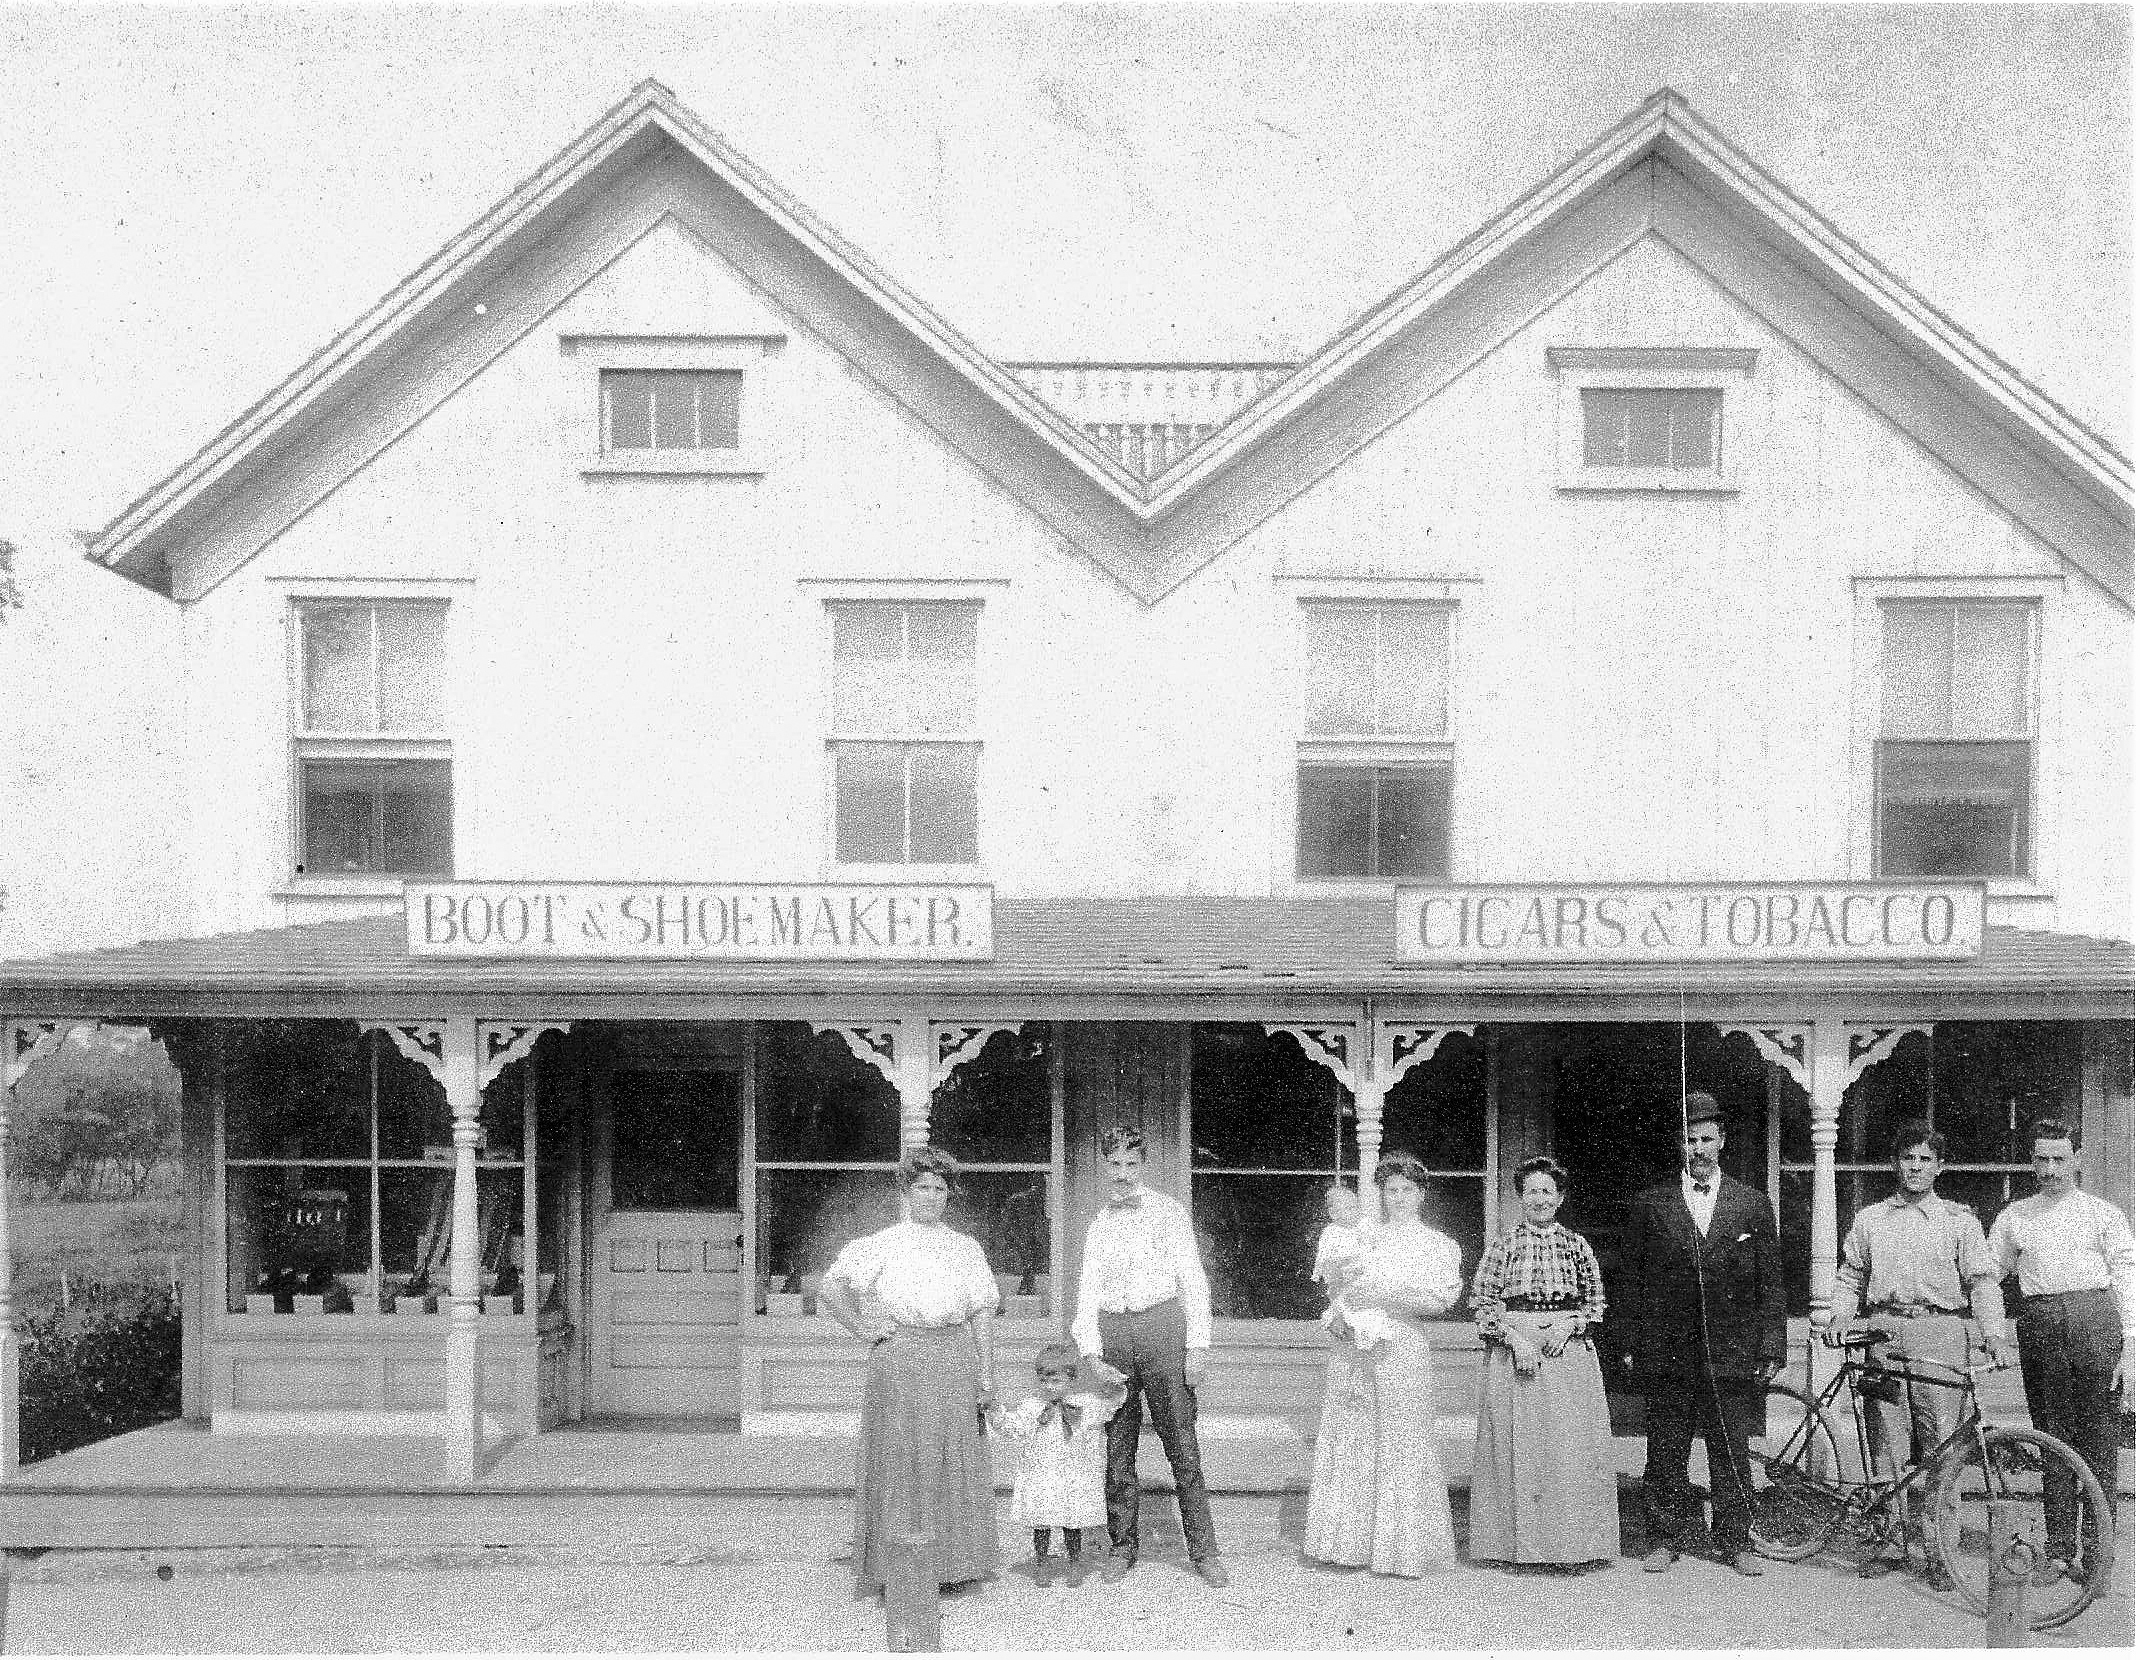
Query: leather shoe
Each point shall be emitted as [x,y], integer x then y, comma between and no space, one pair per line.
[1115,1569]
[1746,1563]
[1212,1574]
[1658,1560]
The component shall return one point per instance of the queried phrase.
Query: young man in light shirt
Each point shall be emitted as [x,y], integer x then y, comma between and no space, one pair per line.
[1144,1314]
[1916,1269]
[2074,1254]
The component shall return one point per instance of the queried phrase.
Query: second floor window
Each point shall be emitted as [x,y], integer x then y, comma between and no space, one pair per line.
[1957,739]
[374,760]
[902,733]
[1374,759]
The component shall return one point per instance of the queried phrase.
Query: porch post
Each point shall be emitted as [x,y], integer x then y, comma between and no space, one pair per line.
[464,1261]
[463,1056]
[26,1043]
[1827,1080]
[1839,1054]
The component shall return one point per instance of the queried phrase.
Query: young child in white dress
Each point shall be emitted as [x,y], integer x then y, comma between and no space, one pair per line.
[1340,1243]
[1340,1253]
[1062,1464]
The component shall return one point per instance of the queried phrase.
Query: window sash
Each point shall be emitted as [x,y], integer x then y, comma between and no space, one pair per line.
[925,809]
[1377,670]
[1955,809]
[1958,671]
[1355,823]
[903,669]
[1676,428]
[372,816]
[678,410]
[371,668]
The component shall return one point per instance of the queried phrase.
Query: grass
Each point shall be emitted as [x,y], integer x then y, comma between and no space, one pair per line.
[121,1244]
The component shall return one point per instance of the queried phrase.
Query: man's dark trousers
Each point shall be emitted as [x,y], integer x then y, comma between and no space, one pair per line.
[2069,1352]
[1674,1411]
[1149,1347]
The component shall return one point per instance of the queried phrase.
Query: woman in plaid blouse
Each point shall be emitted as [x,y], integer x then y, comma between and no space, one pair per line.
[1542,1482]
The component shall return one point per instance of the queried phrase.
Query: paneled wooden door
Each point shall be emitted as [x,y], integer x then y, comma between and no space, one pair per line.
[667,1280]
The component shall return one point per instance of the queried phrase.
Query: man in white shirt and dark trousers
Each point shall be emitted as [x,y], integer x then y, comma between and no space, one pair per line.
[1144,1309]
[2074,1255]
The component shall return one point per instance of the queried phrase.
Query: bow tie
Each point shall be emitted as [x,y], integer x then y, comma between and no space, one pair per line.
[1133,1202]
[1701,1187]
[1061,1412]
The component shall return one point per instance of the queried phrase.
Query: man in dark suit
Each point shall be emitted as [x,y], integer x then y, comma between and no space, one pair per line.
[1701,1296]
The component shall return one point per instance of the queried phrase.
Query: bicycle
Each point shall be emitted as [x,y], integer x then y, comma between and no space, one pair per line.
[1806,1494]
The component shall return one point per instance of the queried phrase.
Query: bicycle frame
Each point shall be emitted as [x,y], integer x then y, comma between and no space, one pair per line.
[1871,1496]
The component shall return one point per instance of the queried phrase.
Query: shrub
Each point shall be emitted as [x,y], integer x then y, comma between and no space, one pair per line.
[106,1366]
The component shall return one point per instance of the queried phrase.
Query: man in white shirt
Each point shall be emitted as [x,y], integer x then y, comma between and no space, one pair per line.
[1144,1312]
[2074,1255]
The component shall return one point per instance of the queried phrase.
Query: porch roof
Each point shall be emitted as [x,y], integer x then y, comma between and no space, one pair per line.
[1151,948]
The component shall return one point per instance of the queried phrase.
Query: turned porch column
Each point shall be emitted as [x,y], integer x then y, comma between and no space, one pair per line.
[463,1056]
[23,1043]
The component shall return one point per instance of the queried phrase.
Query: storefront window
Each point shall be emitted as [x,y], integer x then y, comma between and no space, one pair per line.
[1438,1113]
[828,1147]
[338,1174]
[996,1116]
[1269,1131]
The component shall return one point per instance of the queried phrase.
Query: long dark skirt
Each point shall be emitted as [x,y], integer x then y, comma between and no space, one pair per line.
[922,1467]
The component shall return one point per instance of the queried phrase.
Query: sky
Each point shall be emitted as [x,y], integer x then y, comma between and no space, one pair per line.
[197,198]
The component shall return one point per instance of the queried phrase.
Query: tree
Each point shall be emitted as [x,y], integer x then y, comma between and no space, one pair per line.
[10,594]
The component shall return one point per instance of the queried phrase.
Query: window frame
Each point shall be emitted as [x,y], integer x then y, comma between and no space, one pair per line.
[2030,827]
[224,1322]
[2016,900]
[832,735]
[1726,370]
[585,418]
[1377,751]
[305,744]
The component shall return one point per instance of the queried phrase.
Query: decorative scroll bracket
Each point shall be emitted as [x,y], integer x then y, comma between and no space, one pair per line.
[953,1043]
[874,1044]
[1332,1046]
[500,1044]
[1401,1045]
[1865,1047]
[1787,1045]
[28,1042]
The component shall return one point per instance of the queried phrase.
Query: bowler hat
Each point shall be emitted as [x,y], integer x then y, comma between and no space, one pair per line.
[1701,1108]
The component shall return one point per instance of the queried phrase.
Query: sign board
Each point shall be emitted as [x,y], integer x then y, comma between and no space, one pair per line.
[701,921]
[1813,922]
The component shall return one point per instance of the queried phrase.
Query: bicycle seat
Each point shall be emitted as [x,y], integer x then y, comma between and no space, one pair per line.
[1860,1337]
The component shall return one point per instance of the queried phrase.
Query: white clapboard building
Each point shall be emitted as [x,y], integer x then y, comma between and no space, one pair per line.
[659,720]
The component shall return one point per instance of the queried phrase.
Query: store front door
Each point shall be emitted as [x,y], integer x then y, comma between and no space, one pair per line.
[666,1277]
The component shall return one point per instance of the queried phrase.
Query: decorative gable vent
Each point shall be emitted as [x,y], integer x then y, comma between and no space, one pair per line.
[1149,415]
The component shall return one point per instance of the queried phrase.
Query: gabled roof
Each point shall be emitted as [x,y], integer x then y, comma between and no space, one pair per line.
[1660,171]
[1263,950]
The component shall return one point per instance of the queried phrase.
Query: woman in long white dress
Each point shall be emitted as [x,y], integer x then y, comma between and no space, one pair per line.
[1378,1498]
[922,1469]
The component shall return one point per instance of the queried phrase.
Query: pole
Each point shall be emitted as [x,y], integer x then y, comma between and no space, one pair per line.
[2010,1556]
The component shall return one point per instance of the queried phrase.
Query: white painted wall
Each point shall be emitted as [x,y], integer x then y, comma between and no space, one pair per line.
[1647,688]
[92,797]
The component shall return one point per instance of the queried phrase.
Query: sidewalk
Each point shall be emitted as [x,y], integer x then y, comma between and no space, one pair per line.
[772,1584]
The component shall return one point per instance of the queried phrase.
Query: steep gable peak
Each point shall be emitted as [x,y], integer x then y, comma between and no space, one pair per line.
[1150,514]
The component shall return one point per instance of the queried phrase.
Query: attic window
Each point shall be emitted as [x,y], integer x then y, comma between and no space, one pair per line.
[670,409]
[646,405]
[1651,418]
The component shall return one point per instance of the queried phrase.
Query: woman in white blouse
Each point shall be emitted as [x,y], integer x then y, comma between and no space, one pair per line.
[922,1468]
[1378,1499]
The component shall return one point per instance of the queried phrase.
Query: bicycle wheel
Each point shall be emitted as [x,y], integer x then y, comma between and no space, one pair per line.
[2029,1466]
[1800,1481]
